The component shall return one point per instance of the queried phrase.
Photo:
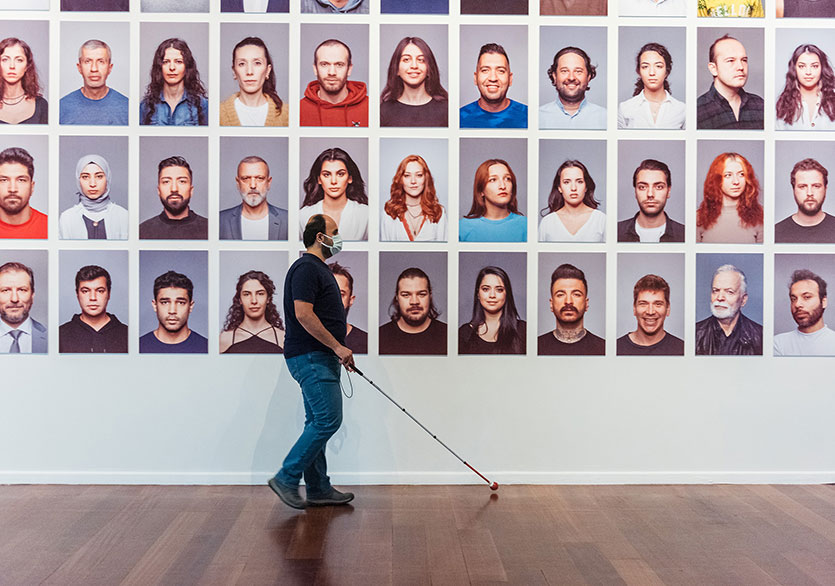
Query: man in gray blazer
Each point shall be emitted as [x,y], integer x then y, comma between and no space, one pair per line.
[254,218]
[19,333]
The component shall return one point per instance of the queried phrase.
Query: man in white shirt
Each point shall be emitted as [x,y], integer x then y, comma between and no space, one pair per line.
[807,295]
[254,218]
[653,7]
[19,333]
[570,73]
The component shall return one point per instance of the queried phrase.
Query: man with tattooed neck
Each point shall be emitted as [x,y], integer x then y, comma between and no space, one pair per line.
[569,302]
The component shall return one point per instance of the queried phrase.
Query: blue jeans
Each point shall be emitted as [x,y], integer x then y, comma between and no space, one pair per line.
[318,375]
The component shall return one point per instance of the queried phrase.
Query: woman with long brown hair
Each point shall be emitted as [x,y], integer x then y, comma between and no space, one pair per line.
[413,95]
[494,215]
[730,210]
[413,212]
[807,101]
[20,90]
[572,214]
[257,103]
[175,95]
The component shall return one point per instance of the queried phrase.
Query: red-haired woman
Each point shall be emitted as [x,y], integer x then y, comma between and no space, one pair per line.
[413,212]
[730,210]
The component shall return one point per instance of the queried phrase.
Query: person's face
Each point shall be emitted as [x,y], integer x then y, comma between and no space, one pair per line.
[254,182]
[572,186]
[251,69]
[733,178]
[414,299]
[493,77]
[806,305]
[651,309]
[412,67]
[173,307]
[93,181]
[568,300]
[571,77]
[94,66]
[93,296]
[334,178]
[254,299]
[173,66]
[345,292]
[13,64]
[498,190]
[15,187]
[414,179]
[809,191]
[808,70]
[174,188]
[16,297]
[332,68]
[726,296]
[730,65]
[492,294]
[653,70]
[651,191]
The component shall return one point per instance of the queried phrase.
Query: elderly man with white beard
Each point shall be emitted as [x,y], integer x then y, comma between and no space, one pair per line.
[727,331]
[254,218]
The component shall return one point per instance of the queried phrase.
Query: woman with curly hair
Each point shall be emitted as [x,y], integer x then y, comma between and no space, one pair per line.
[413,212]
[175,96]
[257,103]
[495,327]
[335,187]
[651,104]
[494,214]
[572,214]
[413,95]
[731,209]
[807,101]
[253,324]
[20,90]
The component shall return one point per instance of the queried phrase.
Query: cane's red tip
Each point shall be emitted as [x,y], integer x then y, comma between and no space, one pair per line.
[494,486]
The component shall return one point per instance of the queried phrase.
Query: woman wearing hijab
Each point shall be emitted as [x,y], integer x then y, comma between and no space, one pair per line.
[95,216]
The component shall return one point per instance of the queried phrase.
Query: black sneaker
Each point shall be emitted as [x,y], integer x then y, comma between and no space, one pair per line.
[334,497]
[289,495]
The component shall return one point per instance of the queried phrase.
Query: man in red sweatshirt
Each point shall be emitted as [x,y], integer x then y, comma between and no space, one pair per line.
[332,100]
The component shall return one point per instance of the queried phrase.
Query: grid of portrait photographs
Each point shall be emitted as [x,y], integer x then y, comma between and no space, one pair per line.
[632,170]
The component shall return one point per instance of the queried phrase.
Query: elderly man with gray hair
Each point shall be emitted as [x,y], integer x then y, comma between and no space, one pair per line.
[94,103]
[727,331]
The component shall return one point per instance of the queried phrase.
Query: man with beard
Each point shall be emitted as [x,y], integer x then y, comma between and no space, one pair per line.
[19,333]
[414,327]
[254,218]
[493,78]
[17,218]
[728,331]
[652,182]
[177,221]
[93,330]
[810,223]
[173,304]
[570,73]
[355,339]
[726,104]
[651,307]
[569,302]
[807,294]
[332,100]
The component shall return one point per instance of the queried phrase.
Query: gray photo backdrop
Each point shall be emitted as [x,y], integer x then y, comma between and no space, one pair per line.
[434,264]
[435,35]
[115,34]
[353,35]
[668,266]
[593,265]
[114,149]
[788,39]
[553,153]
[707,150]
[151,34]
[592,40]
[630,155]
[787,153]
[114,262]
[38,147]
[37,260]
[356,263]
[470,263]
[822,265]
[514,39]
[192,263]
[234,148]
[630,41]
[750,264]
[474,151]
[277,38]
[311,147]
[152,150]
[751,38]
[234,263]
[34,33]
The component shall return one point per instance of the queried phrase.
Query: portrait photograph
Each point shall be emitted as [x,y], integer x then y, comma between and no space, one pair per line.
[24,322]
[804,82]
[174,5]
[414,189]
[20,150]
[93,185]
[802,212]
[801,286]
[414,6]
[335,7]
[350,269]
[804,9]
[572,7]
[95,5]
[255,6]
[24,48]
[571,204]
[494,6]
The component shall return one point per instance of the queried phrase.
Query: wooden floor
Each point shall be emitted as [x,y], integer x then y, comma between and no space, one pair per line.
[700,535]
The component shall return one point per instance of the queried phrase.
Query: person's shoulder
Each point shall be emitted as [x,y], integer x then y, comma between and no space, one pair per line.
[230,213]
[197,339]
[518,106]
[276,211]
[755,101]
[116,97]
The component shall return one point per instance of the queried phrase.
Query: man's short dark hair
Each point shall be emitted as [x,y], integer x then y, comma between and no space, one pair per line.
[652,165]
[21,156]
[314,225]
[577,51]
[18,266]
[810,165]
[493,48]
[175,161]
[338,269]
[651,283]
[91,273]
[173,279]
[711,52]
[412,273]
[807,275]
[567,271]
[330,43]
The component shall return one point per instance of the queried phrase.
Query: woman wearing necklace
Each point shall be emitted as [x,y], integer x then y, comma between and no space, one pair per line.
[253,324]
[495,327]
[95,216]
[413,212]
[22,102]
[493,216]
[257,103]
[807,101]
[572,214]
[651,105]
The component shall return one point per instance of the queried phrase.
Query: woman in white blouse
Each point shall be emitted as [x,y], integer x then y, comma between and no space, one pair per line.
[651,105]
[807,101]
[572,214]
[413,212]
[95,216]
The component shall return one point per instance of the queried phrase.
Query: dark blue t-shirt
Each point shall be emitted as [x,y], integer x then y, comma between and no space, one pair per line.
[309,279]
[194,344]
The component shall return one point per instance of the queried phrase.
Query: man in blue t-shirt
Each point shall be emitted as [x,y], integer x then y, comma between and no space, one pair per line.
[94,102]
[173,304]
[493,78]
[314,349]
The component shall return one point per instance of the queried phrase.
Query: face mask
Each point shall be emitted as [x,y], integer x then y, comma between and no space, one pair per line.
[334,247]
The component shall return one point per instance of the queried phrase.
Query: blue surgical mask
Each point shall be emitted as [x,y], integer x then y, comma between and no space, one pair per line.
[334,247]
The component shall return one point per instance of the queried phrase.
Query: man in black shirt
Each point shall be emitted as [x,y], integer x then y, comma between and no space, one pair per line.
[93,330]
[177,221]
[356,339]
[651,182]
[810,223]
[651,307]
[726,104]
[569,302]
[414,327]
